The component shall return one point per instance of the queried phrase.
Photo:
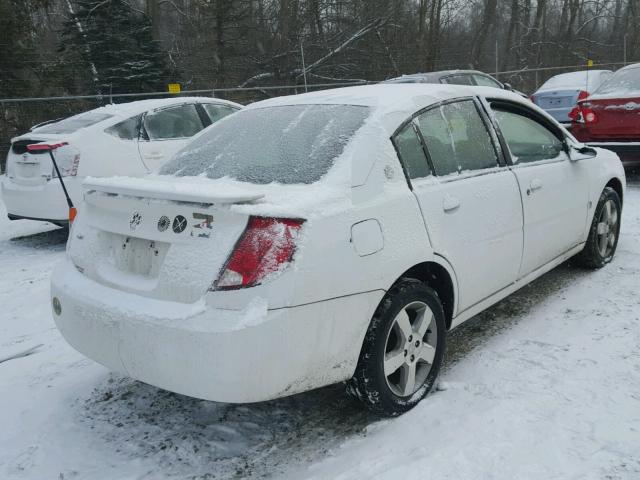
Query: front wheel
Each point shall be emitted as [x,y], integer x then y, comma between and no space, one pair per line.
[603,235]
[402,351]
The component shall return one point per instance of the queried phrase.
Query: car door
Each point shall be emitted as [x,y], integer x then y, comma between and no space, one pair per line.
[470,202]
[554,190]
[167,130]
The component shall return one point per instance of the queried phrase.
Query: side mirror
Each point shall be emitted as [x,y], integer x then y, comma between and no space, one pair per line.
[507,86]
[577,153]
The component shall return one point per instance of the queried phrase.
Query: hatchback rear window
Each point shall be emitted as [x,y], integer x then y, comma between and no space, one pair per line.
[623,82]
[71,124]
[287,144]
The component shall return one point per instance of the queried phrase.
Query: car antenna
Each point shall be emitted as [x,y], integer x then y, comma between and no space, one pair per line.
[50,147]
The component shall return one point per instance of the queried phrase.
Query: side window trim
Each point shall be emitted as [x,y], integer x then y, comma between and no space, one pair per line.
[410,123]
[204,117]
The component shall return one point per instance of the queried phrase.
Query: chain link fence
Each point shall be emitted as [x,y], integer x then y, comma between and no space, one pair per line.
[20,114]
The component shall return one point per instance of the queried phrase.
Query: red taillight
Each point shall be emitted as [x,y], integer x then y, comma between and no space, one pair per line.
[574,114]
[39,147]
[533,98]
[266,246]
[583,95]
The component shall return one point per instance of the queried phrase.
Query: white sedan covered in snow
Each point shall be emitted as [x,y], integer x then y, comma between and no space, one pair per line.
[327,237]
[125,139]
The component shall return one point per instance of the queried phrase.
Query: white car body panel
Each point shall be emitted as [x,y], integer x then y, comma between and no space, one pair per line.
[31,190]
[482,222]
[136,297]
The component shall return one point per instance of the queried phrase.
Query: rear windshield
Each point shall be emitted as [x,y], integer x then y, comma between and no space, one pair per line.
[623,82]
[286,144]
[71,124]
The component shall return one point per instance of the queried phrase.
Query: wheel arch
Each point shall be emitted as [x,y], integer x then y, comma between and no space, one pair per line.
[440,277]
[616,184]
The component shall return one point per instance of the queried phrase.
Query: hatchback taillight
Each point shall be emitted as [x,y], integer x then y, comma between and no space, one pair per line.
[265,248]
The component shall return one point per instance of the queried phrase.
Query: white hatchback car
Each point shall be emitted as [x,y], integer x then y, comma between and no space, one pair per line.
[124,139]
[330,236]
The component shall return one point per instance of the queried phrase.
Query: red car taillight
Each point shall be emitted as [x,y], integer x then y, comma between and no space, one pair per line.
[583,95]
[266,246]
[583,114]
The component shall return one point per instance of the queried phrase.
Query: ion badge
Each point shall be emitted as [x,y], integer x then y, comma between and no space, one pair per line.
[179,224]
[202,227]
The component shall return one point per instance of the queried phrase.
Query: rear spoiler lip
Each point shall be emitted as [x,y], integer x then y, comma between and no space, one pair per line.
[178,192]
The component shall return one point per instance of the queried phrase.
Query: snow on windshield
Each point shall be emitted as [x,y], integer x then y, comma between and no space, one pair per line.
[623,82]
[577,80]
[284,144]
[71,124]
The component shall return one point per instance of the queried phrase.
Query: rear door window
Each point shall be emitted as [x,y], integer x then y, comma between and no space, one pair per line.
[181,121]
[456,138]
[411,152]
[528,140]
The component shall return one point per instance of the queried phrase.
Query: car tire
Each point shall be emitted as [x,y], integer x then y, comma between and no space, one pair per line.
[604,231]
[406,333]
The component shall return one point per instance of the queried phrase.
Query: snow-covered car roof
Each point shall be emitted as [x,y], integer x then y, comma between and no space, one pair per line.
[391,102]
[430,77]
[140,106]
[574,80]
[108,115]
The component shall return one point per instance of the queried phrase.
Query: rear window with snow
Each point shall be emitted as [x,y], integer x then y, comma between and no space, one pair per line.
[286,144]
[623,82]
[71,124]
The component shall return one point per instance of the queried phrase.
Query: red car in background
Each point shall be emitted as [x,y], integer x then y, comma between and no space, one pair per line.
[610,117]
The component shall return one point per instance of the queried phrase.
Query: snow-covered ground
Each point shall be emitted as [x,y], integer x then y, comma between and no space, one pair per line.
[544,385]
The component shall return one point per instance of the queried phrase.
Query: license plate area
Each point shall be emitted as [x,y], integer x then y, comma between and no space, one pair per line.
[140,256]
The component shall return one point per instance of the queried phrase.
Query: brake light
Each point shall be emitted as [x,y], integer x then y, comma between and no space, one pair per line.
[533,98]
[67,157]
[266,247]
[583,95]
[574,114]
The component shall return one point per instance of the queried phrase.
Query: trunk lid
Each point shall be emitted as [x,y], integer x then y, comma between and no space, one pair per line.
[617,118]
[157,239]
[557,98]
[29,168]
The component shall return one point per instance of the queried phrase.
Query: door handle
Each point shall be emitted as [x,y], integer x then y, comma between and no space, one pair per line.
[450,203]
[153,156]
[535,184]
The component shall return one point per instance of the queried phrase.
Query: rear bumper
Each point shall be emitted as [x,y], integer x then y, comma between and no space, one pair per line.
[629,152]
[214,354]
[42,202]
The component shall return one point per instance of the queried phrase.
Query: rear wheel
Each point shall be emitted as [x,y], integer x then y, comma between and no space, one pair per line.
[603,235]
[402,351]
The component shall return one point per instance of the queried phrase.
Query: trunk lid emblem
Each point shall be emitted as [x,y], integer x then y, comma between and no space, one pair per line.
[179,224]
[135,220]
